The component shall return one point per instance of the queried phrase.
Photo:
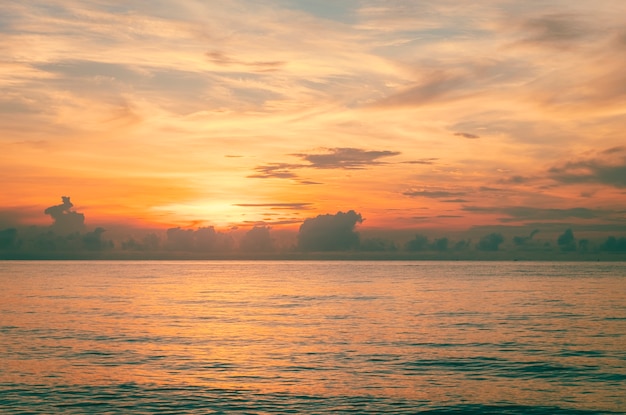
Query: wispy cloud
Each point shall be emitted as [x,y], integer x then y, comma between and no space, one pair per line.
[345,158]
[333,158]
[278,206]
[605,170]
[435,194]
[527,213]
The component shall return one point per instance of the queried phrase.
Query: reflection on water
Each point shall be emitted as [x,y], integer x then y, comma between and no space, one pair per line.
[269,337]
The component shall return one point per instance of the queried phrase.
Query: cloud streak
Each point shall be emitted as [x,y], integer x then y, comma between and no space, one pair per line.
[334,158]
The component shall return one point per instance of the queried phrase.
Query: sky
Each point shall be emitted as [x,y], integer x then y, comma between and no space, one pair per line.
[415,114]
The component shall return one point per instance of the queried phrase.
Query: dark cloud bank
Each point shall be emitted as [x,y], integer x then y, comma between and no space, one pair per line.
[329,236]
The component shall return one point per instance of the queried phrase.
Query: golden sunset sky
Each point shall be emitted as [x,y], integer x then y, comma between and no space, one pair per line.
[416,114]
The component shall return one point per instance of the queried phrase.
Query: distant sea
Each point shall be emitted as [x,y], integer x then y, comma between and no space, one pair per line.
[313,337]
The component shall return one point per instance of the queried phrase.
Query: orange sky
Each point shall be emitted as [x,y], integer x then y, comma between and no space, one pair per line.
[430,114]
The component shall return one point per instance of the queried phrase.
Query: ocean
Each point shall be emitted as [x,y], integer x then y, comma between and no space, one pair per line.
[312,337]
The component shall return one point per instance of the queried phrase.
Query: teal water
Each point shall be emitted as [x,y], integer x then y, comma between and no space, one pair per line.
[312,337]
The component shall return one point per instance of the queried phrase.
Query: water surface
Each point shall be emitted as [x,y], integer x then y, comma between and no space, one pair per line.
[312,337]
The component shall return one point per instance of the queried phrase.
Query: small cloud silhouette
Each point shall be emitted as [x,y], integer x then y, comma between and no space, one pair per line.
[426,161]
[433,194]
[335,158]
[467,135]
[65,220]
[275,171]
[345,158]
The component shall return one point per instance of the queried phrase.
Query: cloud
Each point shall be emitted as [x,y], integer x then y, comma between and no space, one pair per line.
[205,239]
[19,215]
[433,87]
[8,237]
[275,171]
[257,239]
[467,135]
[330,232]
[517,179]
[65,220]
[490,242]
[427,161]
[491,189]
[335,158]
[434,194]
[455,201]
[280,221]
[345,158]
[219,58]
[613,150]
[278,206]
[524,213]
[608,169]
[557,29]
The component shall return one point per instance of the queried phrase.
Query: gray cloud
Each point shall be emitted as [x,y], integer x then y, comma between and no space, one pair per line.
[257,239]
[435,194]
[345,158]
[330,232]
[455,201]
[65,220]
[222,59]
[608,171]
[467,135]
[275,171]
[281,221]
[435,86]
[516,180]
[336,158]
[554,29]
[422,161]
[516,213]
[613,150]
[200,240]
[491,189]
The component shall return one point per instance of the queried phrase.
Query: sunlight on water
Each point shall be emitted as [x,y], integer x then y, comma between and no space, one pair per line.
[333,337]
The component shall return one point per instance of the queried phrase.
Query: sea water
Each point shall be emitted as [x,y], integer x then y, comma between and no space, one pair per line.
[265,337]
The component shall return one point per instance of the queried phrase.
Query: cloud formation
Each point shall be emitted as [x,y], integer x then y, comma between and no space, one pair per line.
[330,232]
[221,58]
[555,29]
[345,158]
[527,213]
[467,135]
[204,239]
[257,239]
[335,158]
[608,169]
[435,194]
[65,220]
